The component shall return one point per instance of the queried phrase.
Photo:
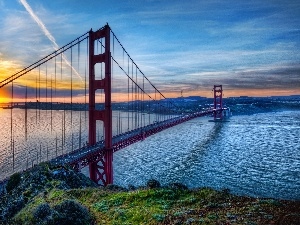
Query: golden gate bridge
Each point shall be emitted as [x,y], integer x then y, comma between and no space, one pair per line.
[81,103]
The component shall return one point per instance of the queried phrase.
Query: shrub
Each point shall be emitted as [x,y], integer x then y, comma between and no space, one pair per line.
[131,187]
[43,214]
[72,212]
[153,184]
[14,207]
[13,181]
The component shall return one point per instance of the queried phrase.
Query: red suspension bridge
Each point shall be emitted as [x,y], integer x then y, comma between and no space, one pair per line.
[81,103]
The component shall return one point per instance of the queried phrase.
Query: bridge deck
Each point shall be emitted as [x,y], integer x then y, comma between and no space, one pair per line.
[88,154]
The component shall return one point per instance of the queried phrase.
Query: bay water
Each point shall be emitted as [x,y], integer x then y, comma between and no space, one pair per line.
[256,155]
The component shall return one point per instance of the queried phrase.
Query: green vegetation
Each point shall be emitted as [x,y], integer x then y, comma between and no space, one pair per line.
[61,203]
[13,181]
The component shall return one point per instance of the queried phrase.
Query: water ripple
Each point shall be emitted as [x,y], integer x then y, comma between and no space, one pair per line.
[256,155]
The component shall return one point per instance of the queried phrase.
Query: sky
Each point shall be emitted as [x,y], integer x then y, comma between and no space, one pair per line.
[250,47]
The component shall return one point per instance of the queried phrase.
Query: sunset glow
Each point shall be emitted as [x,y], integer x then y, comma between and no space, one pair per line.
[4,96]
[251,48]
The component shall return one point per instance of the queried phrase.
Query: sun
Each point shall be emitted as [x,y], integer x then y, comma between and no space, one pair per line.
[4,96]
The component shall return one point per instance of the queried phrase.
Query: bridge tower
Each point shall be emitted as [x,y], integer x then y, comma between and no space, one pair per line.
[218,102]
[100,171]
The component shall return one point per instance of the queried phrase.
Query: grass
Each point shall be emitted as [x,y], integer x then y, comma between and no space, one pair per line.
[166,206]
[51,199]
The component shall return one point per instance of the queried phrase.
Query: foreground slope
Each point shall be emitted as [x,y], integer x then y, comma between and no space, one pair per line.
[46,195]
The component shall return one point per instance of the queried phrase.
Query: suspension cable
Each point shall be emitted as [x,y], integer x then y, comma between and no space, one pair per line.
[42,61]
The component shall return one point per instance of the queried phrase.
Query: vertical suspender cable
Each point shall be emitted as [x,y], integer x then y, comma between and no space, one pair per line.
[72,99]
[78,67]
[64,109]
[159,109]
[11,125]
[46,87]
[136,109]
[128,104]
[120,121]
[71,83]
[155,105]
[51,95]
[62,133]
[40,155]
[55,145]
[72,138]
[140,113]
[101,47]
[25,109]
[111,56]
[27,161]
[36,103]
[39,94]
[149,110]
[62,118]
[37,155]
[61,66]
[103,133]
[148,102]
[55,82]
[55,79]
[79,129]
[168,115]
[143,92]
[85,85]
[112,69]
[128,95]
[78,56]
[55,76]
[132,102]
[141,107]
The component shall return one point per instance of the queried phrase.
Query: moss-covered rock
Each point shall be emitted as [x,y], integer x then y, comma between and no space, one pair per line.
[21,188]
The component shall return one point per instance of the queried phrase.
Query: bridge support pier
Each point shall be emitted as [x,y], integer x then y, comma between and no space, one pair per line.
[101,171]
[218,102]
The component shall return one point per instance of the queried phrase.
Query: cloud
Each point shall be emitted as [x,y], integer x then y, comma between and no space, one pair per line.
[272,78]
[47,34]
[240,44]
[40,23]
[195,44]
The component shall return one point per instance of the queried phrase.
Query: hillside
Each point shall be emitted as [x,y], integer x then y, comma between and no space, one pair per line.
[46,195]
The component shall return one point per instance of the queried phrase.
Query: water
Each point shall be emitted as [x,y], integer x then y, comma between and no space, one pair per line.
[34,136]
[257,155]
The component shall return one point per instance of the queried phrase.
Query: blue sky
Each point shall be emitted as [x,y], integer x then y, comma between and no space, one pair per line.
[251,47]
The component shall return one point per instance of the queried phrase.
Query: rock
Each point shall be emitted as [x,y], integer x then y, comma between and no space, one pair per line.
[153,184]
